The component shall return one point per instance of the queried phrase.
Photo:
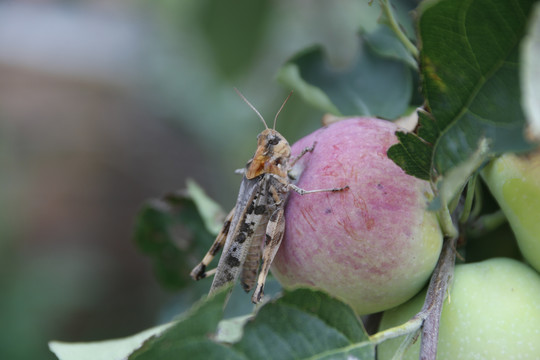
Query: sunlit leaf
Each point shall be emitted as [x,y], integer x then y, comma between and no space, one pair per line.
[115,349]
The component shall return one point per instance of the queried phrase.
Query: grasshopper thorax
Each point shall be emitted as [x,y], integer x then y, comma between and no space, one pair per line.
[272,155]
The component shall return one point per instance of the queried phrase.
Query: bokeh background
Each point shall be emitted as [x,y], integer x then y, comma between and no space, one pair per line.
[106,103]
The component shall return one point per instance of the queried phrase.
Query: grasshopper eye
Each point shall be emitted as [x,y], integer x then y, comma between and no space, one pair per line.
[274,140]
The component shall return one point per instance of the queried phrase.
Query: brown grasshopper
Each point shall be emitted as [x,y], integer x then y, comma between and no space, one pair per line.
[257,223]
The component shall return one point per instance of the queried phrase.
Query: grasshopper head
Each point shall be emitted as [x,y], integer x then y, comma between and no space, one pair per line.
[272,155]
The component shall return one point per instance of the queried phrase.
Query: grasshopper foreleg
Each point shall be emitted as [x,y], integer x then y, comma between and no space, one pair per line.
[304,152]
[304,192]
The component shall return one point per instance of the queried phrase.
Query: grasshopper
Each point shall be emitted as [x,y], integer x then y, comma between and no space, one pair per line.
[253,230]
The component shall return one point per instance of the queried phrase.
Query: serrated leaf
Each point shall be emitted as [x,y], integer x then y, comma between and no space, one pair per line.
[413,153]
[190,337]
[305,324]
[374,84]
[172,232]
[530,73]
[332,311]
[470,57]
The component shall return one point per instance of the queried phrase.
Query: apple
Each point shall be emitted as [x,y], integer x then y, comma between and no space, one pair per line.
[515,183]
[374,245]
[493,312]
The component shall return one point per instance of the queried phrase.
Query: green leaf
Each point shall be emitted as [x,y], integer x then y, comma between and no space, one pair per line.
[231,330]
[210,211]
[402,10]
[103,350]
[289,75]
[453,183]
[376,83]
[386,44]
[174,234]
[413,153]
[302,324]
[305,324]
[190,337]
[470,61]
[530,73]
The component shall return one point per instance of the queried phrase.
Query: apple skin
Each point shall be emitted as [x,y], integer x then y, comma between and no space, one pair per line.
[515,183]
[493,312]
[373,245]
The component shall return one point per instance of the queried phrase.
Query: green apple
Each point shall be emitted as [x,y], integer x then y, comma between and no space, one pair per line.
[374,245]
[493,312]
[515,183]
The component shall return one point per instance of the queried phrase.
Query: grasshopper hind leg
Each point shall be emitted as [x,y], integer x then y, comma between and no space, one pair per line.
[199,272]
[274,234]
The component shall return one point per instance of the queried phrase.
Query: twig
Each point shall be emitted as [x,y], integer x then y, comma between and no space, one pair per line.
[392,22]
[439,283]
[414,324]
[437,290]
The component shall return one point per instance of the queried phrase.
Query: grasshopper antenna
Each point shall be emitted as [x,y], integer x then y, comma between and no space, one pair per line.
[281,108]
[253,107]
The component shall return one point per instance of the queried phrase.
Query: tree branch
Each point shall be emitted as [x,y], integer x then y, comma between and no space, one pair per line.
[437,290]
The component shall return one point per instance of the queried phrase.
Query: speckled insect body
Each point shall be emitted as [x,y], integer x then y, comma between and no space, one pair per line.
[253,230]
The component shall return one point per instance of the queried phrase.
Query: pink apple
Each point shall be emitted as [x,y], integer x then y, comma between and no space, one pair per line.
[373,245]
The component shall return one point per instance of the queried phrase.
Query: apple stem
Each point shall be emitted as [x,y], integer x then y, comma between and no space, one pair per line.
[446,222]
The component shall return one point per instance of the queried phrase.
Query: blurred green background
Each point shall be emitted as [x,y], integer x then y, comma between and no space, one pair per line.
[106,103]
